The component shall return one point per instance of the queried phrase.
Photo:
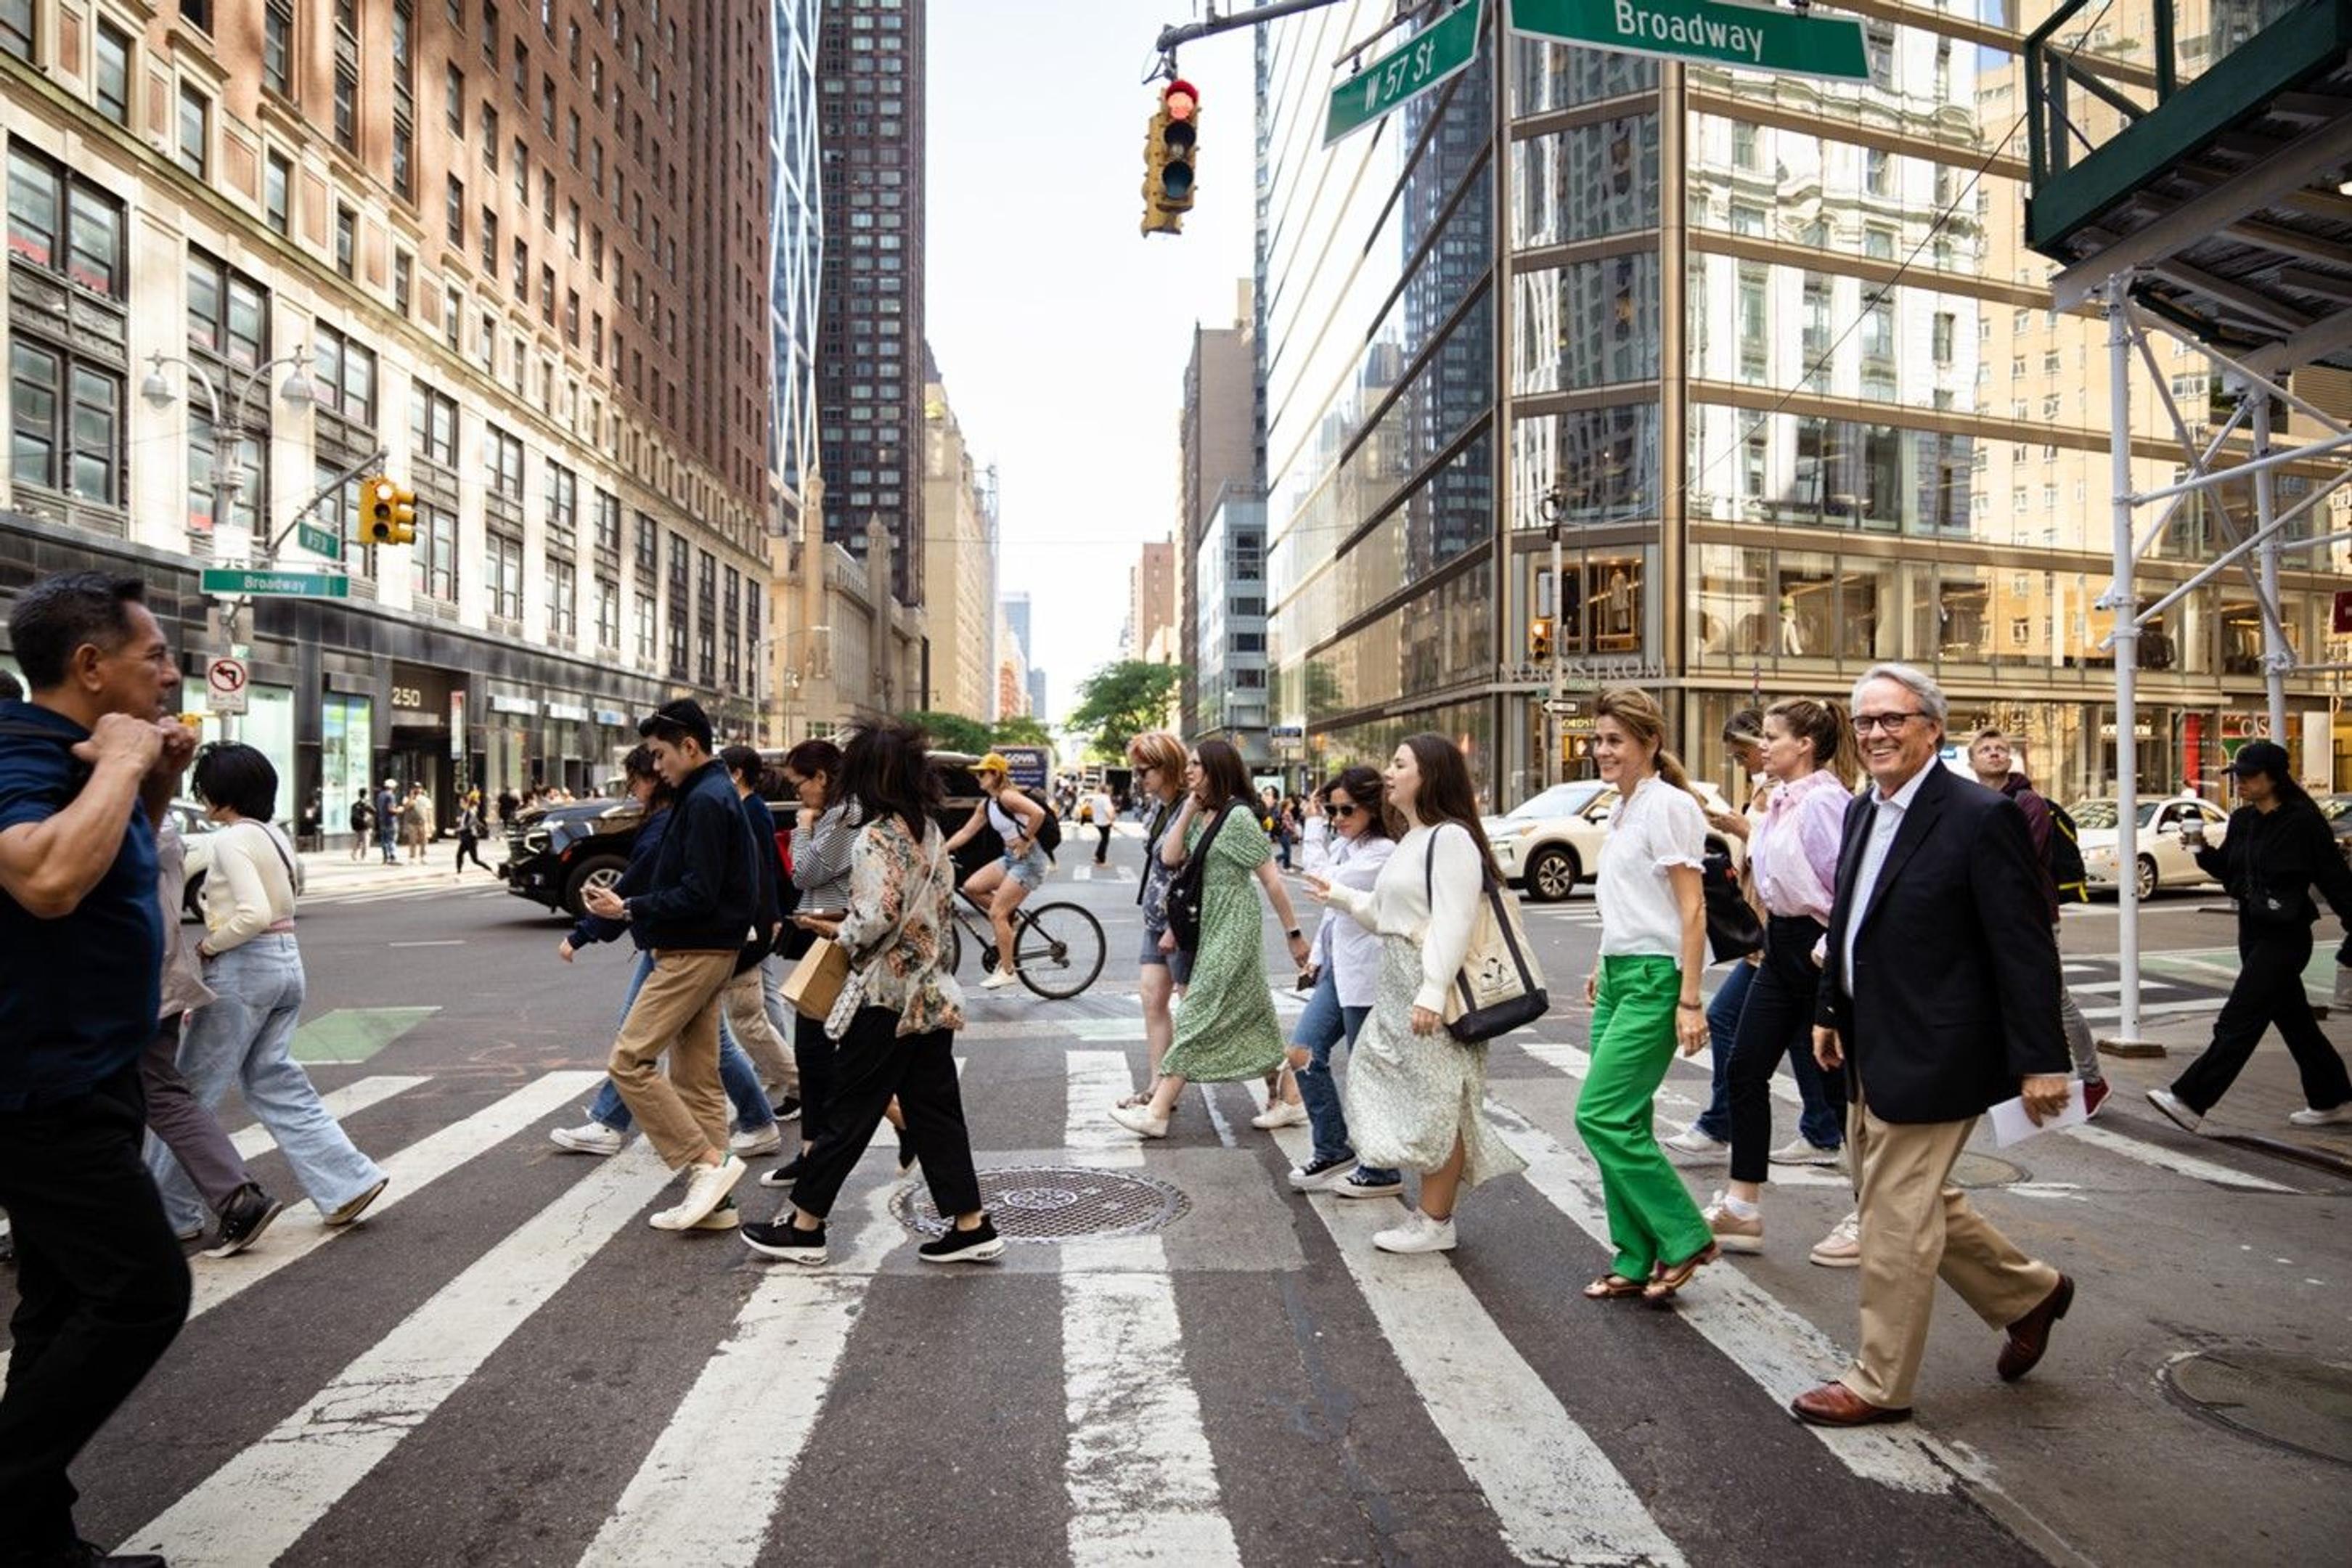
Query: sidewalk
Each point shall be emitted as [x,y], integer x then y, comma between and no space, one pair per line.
[332,871]
[2257,1104]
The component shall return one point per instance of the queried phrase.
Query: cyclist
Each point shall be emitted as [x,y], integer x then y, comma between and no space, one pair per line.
[1000,884]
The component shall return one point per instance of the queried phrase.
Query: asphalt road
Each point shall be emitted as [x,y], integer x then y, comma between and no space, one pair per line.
[506,1365]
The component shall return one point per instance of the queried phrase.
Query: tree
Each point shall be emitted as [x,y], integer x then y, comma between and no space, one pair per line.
[952,731]
[1123,700]
[1024,731]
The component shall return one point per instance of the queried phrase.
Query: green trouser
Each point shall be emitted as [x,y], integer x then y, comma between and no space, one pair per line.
[1652,1219]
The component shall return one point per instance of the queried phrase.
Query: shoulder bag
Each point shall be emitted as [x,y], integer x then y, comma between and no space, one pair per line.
[1187,891]
[1732,928]
[1499,987]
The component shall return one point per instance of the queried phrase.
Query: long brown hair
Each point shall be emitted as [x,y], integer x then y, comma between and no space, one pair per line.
[1637,712]
[1821,720]
[1446,793]
[1224,781]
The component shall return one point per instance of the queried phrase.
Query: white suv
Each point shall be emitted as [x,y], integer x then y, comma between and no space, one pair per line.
[1552,841]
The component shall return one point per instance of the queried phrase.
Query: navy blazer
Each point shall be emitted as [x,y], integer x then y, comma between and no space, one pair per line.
[1954,994]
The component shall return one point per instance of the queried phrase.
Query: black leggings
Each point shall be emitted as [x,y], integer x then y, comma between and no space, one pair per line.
[1777,1018]
[469,846]
[2269,991]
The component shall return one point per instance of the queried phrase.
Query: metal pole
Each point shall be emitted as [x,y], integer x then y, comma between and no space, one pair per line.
[1555,729]
[2123,602]
[2275,656]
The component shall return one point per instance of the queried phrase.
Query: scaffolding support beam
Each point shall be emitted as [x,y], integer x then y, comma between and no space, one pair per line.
[2125,637]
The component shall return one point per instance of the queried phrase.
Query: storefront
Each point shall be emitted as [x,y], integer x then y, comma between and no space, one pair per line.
[346,745]
[511,756]
[427,733]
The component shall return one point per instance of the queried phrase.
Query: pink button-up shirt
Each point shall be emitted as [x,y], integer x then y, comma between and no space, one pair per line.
[1793,852]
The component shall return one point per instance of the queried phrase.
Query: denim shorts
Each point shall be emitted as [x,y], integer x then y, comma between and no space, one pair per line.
[1179,963]
[1029,870]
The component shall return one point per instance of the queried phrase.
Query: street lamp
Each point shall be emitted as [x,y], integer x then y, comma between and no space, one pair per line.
[228,478]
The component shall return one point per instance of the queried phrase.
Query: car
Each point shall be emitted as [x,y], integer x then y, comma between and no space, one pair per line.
[2338,809]
[2164,860]
[1551,841]
[195,822]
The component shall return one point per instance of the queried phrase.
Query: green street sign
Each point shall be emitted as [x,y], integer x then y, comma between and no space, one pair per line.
[279,584]
[1432,57]
[1727,33]
[318,541]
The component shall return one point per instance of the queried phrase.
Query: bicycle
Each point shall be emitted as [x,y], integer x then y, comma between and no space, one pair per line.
[1057,949]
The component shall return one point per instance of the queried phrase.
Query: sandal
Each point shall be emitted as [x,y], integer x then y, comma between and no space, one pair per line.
[1672,1277]
[1609,1287]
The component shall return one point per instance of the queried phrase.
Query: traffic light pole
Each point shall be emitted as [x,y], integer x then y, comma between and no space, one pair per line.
[374,460]
[1213,24]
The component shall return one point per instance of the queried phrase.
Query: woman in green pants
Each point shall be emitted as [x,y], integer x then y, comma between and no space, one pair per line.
[1644,997]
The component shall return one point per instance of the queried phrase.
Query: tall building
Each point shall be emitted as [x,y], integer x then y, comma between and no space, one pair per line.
[1037,703]
[1011,666]
[1151,601]
[796,251]
[960,535]
[870,307]
[520,261]
[1220,444]
[1230,572]
[1773,355]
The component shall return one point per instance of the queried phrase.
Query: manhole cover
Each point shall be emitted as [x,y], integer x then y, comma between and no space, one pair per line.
[2293,1401]
[1055,1203]
[1984,1171]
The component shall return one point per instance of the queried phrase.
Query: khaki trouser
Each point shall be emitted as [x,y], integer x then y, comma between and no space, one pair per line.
[1916,1226]
[677,1011]
[745,1002]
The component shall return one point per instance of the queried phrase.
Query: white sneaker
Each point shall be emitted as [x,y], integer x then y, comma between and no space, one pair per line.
[1140,1121]
[588,1138]
[1842,1247]
[1282,1113]
[708,1184]
[726,1216]
[998,979]
[2175,1108]
[1419,1232]
[1732,1232]
[2314,1117]
[766,1141]
[1693,1147]
[1797,1151]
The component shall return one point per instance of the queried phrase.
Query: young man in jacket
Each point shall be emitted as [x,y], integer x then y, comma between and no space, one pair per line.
[695,920]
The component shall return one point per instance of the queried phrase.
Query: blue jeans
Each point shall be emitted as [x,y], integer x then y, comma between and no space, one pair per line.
[736,1074]
[1822,1123]
[247,1037]
[1323,1025]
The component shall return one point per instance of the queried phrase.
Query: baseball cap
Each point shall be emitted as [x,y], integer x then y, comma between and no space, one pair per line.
[993,762]
[2260,757]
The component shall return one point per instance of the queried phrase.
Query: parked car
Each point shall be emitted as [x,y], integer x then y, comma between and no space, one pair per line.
[2164,860]
[2338,809]
[193,824]
[1551,841]
[554,856]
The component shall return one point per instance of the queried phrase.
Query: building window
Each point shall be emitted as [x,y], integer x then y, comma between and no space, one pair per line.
[434,558]
[16,27]
[228,313]
[1942,337]
[113,73]
[490,240]
[502,576]
[403,280]
[65,423]
[453,101]
[433,425]
[608,523]
[347,228]
[502,458]
[347,107]
[562,501]
[645,629]
[195,129]
[562,598]
[277,188]
[457,212]
[608,613]
[490,32]
[1874,171]
[346,382]
[63,224]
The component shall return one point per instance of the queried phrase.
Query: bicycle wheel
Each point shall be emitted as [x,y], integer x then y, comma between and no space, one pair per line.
[953,945]
[1058,949]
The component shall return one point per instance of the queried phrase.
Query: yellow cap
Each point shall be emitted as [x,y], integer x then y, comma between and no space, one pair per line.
[993,762]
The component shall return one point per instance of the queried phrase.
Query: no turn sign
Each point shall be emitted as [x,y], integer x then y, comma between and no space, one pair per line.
[225,681]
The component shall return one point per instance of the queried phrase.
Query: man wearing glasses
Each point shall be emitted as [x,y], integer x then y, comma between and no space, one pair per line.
[1931,864]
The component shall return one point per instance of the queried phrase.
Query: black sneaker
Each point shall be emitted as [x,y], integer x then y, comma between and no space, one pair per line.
[243,1219]
[785,1175]
[1317,1174]
[786,1240]
[981,1244]
[787,1108]
[1360,1185]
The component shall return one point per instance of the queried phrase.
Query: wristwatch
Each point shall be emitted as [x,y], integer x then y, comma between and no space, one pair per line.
[1295,934]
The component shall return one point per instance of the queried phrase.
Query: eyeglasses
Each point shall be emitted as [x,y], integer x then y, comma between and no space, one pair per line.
[1863,723]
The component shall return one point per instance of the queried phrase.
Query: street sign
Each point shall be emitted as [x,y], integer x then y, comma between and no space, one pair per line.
[225,681]
[1563,708]
[1432,58]
[1752,36]
[277,585]
[319,540]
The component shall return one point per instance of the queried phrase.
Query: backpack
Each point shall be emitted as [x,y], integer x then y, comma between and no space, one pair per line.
[2071,877]
[1049,832]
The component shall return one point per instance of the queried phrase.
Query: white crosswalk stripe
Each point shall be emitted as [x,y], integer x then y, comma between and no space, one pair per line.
[252,1142]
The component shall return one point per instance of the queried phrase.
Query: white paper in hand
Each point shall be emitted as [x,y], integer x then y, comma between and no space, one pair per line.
[2011,1125]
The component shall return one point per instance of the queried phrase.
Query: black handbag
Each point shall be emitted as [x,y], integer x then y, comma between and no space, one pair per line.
[1732,928]
[1187,893]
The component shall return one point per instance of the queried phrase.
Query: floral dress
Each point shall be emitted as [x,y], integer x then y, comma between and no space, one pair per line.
[899,891]
[1226,1029]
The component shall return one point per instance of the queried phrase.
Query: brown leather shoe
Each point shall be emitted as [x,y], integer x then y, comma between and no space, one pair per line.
[1835,1405]
[2030,1335]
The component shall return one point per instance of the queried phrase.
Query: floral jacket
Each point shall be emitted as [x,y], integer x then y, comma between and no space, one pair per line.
[890,873]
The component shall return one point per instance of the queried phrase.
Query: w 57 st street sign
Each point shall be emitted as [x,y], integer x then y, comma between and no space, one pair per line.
[1755,37]
[1432,58]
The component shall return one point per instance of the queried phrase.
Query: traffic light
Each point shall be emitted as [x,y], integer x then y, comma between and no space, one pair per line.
[1168,153]
[1539,640]
[387,512]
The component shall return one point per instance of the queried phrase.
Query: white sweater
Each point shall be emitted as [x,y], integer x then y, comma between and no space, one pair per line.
[1401,904]
[247,889]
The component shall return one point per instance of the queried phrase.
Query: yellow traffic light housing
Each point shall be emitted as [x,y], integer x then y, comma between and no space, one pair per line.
[1539,640]
[1169,148]
[387,512]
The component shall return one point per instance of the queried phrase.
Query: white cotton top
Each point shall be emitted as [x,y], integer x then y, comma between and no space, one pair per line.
[1442,859]
[249,883]
[1346,948]
[1656,828]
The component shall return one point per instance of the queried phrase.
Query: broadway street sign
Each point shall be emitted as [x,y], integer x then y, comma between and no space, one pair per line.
[1432,58]
[1733,35]
[282,584]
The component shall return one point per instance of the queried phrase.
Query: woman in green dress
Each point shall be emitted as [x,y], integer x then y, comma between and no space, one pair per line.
[1226,1030]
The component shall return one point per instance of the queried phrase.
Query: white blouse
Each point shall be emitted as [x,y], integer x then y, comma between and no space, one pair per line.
[249,885]
[1654,829]
[1442,861]
[1352,953]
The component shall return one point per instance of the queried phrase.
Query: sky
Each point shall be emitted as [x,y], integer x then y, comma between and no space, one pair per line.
[1060,332]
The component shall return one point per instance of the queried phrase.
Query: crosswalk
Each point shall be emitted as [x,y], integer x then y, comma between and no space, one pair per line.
[1478,1378]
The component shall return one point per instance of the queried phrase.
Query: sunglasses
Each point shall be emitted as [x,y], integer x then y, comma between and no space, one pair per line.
[1346,810]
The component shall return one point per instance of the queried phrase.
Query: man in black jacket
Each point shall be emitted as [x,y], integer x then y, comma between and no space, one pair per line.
[1930,864]
[695,920]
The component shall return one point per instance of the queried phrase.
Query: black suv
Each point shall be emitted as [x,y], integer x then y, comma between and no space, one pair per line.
[555,854]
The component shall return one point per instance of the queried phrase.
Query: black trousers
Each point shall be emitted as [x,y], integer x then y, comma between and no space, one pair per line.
[811,1047]
[872,1063]
[1777,1018]
[101,1290]
[470,848]
[1102,853]
[2269,991]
